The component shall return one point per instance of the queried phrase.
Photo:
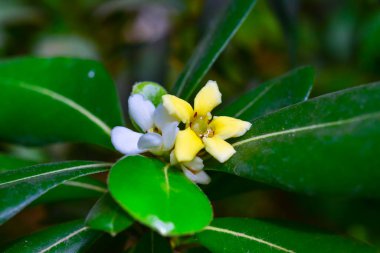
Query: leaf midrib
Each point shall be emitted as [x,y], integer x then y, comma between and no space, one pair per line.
[86,186]
[57,171]
[308,128]
[248,237]
[64,239]
[254,101]
[167,182]
[70,103]
[183,81]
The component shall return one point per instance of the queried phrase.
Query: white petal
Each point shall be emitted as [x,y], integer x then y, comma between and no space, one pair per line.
[164,228]
[141,111]
[200,177]
[169,133]
[161,117]
[173,159]
[195,165]
[125,140]
[150,141]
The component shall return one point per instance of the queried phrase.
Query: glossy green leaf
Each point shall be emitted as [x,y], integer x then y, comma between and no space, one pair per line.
[327,145]
[291,88]
[159,196]
[20,187]
[108,216]
[237,235]
[80,188]
[152,242]
[275,94]
[211,46]
[68,237]
[57,99]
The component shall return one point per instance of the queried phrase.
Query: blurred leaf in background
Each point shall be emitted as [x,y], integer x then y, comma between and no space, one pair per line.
[150,40]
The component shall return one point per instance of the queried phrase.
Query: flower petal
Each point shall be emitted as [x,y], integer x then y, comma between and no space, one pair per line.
[207,98]
[219,148]
[169,133]
[161,117]
[195,165]
[200,177]
[150,141]
[187,145]
[141,111]
[173,159]
[125,140]
[228,127]
[178,108]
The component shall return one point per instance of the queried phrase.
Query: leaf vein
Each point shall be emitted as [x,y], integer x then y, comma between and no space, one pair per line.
[86,186]
[57,171]
[71,104]
[64,239]
[249,237]
[167,183]
[308,128]
[257,98]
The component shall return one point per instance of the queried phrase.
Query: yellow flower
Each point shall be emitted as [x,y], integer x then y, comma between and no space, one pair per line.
[203,130]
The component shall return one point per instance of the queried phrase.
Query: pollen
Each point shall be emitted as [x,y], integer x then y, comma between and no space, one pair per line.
[200,125]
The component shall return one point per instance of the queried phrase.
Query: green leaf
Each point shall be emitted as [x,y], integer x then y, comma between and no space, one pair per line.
[80,188]
[57,99]
[327,145]
[67,237]
[236,235]
[152,242]
[159,196]
[20,187]
[291,88]
[211,46]
[369,38]
[8,162]
[275,94]
[106,215]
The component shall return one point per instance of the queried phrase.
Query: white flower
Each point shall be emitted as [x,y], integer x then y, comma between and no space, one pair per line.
[159,129]
[193,170]
[159,133]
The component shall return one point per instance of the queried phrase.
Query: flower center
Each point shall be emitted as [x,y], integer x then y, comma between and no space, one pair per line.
[199,124]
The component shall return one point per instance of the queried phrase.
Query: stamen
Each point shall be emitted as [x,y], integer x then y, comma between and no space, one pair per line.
[209,133]
[200,125]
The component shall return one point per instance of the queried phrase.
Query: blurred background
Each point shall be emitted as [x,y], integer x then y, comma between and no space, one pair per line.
[151,40]
[140,40]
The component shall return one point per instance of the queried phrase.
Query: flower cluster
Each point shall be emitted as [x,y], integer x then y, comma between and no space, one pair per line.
[161,134]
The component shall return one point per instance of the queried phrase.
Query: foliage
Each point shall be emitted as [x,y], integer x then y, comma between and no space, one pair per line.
[298,150]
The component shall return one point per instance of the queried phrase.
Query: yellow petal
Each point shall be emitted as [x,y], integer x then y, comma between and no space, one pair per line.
[228,127]
[187,145]
[207,98]
[218,148]
[178,108]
